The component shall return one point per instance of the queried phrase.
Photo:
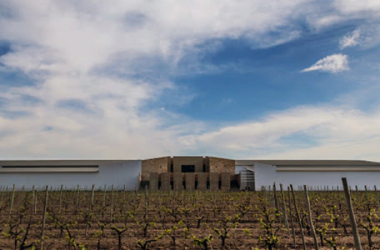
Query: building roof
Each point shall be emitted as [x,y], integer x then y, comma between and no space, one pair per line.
[54,166]
[279,163]
[57,163]
[310,163]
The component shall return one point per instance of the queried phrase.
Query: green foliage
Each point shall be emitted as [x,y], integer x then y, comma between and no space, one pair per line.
[269,223]
[370,226]
[144,244]
[171,232]
[205,242]
[229,222]
[119,232]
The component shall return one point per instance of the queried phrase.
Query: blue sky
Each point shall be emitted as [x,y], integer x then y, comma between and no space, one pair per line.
[239,79]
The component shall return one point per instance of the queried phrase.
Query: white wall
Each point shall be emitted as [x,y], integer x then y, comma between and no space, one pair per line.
[119,174]
[265,175]
[330,179]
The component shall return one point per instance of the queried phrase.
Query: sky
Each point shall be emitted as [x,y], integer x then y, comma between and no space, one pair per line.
[289,79]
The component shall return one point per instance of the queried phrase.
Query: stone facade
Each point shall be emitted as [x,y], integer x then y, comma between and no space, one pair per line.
[156,165]
[226,181]
[197,161]
[190,181]
[153,181]
[188,172]
[177,181]
[214,181]
[221,165]
[165,182]
[202,181]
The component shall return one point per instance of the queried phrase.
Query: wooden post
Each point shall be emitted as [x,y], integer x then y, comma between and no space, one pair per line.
[34,200]
[351,214]
[92,194]
[270,196]
[310,219]
[104,195]
[77,197]
[89,210]
[12,198]
[285,213]
[298,217]
[35,203]
[377,197]
[33,192]
[44,218]
[357,194]
[64,195]
[60,199]
[275,197]
[366,198]
[111,208]
[291,218]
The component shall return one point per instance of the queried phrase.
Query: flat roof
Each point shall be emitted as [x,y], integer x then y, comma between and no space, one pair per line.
[59,162]
[309,163]
[278,163]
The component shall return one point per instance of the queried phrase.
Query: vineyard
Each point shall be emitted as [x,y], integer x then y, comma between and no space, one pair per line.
[118,219]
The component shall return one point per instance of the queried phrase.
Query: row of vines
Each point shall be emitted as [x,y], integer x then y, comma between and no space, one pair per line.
[118,219]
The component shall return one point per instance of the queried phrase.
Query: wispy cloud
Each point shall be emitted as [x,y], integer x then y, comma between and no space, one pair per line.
[101,69]
[333,63]
[350,40]
[326,132]
[339,11]
[353,7]
[100,76]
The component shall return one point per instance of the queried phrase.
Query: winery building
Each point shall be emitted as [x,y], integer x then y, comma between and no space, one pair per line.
[187,173]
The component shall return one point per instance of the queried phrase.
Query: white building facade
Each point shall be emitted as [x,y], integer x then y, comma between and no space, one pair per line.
[316,174]
[70,173]
[126,174]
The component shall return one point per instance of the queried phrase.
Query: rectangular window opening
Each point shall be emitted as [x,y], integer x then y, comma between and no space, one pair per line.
[188,168]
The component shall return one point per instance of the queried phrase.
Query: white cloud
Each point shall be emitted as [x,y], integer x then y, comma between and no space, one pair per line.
[350,40]
[339,11]
[333,63]
[353,7]
[85,35]
[89,53]
[323,21]
[329,132]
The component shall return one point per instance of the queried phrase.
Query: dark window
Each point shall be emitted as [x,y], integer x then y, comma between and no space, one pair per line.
[171,168]
[188,168]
